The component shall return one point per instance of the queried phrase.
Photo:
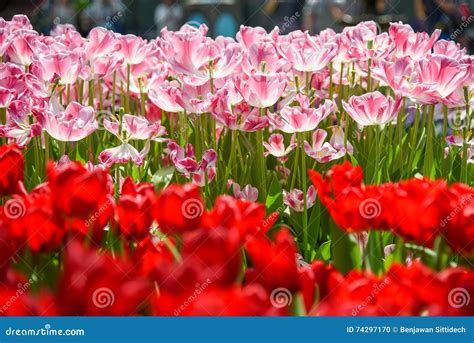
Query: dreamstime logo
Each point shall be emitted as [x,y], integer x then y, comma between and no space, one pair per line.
[465,200]
[182,130]
[272,217]
[370,208]
[98,213]
[22,289]
[103,297]
[281,297]
[459,297]
[102,116]
[14,208]
[192,208]
[377,288]
[112,20]
[461,27]
[288,22]
[456,122]
[200,288]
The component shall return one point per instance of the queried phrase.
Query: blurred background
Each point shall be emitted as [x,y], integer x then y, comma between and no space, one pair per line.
[223,17]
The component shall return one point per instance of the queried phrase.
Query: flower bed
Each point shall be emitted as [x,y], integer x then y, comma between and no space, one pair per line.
[266,175]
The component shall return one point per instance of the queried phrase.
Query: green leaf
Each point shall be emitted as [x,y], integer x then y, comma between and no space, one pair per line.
[297,306]
[274,201]
[162,177]
[345,251]
[375,252]
[324,252]
[314,224]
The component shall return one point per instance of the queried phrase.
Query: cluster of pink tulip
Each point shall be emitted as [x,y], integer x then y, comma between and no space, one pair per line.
[247,116]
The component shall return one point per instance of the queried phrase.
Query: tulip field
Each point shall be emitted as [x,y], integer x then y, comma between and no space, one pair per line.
[266,174]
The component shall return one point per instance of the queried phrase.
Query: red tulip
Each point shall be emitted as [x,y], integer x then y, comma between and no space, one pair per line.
[134,209]
[94,284]
[82,197]
[179,209]
[11,169]
[274,262]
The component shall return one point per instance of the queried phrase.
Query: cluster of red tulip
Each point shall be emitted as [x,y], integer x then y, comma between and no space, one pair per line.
[165,254]
[169,176]
[415,209]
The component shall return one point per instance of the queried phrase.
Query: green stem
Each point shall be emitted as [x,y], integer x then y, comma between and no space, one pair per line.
[91,93]
[101,100]
[229,167]
[306,250]
[80,90]
[3,115]
[68,93]
[428,169]
[142,98]
[261,160]
[414,136]
[46,148]
[308,82]
[400,120]
[295,169]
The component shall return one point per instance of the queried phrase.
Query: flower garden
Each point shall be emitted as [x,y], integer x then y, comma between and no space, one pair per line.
[263,175]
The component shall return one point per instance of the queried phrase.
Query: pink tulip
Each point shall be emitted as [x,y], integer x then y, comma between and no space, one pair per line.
[165,94]
[66,66]
[262,58]
[437,79]
[138,127]
[20,127]
[133,49]
[183,159]
[6,96]
[3,41]
[67,35]
[189,50]
[72,124]
[394,74]
[261,90]
[199,178]
[19,22]
[105,65]
[196,98]
[322,151]
[295,199]
[184,162]
[372,108]
[459,142]
[362,42]
[301,118]
[226,62]
[207,169]
[250,35]
[134,127]
[339,142]
[101,43]
[276,146]
[247,193]
[21,47]
[409,43]
[306,53]
[449,49]
[236,116]
[123,154]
